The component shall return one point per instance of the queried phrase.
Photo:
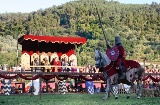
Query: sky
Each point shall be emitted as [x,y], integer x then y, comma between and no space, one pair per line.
[26,6]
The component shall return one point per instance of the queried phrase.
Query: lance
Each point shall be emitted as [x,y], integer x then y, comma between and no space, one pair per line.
[101,26]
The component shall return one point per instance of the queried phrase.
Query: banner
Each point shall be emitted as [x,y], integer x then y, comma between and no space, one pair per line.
[90,87]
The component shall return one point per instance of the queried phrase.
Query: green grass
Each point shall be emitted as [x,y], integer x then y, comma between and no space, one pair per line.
[76,99]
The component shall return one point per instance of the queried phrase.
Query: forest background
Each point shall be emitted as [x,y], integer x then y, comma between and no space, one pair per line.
[137,24]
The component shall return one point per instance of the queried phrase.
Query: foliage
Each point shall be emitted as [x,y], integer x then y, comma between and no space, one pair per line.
[137,24]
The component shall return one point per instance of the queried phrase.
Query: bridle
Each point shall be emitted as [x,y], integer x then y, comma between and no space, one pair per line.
[101,64]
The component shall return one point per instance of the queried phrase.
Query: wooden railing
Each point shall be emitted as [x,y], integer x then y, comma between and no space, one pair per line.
[56,67]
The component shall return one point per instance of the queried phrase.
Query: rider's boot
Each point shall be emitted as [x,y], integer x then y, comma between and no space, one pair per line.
[122,73]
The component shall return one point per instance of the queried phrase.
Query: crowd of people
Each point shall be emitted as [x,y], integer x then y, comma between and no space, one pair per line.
[56,62]
[149,83]
[68,65]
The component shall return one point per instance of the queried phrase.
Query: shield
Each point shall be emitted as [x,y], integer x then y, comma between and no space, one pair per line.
[113,53]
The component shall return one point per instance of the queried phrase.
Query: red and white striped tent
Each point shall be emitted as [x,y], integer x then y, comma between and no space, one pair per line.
[33,45]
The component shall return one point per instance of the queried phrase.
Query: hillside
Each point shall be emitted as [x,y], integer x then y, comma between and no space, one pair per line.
[137,24]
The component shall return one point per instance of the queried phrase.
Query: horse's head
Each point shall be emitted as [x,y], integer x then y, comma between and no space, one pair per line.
[101,59]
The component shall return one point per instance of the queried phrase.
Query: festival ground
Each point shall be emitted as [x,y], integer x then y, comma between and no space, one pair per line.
[76,99]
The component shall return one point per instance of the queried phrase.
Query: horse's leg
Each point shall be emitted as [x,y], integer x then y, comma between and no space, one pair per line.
[115,91]
[107,89]
[130,89]
[139,84]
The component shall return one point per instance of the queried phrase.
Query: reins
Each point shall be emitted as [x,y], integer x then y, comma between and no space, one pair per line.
[110,67]
[101,64]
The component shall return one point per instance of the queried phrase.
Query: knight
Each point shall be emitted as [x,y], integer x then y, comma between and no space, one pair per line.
[121,64]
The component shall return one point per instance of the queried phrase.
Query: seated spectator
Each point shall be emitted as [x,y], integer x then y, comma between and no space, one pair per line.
[156,68]
[102,88]
[50,89]
[73,64]
[154,85]
[1,90]
[56,62]
[23,69]
[31,89]
[64,63]
[17,89]
[91,69]
[52,63]
[46,63]
[44,90]
[68,64]
[13,90]
[152,70]
[146,85]
[97,70]
[72,84]
[94,69]
[35,62]
[19,68]
[81,70]
[69,88]
[147,70]
[80,88]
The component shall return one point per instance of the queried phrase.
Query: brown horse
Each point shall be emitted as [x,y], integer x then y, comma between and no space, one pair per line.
[111,74]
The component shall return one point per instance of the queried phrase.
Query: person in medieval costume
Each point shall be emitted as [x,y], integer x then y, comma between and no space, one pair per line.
[120,63]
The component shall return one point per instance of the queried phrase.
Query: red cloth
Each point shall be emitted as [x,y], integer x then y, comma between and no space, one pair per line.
[122,51]
[56,63]
[122,56]
[111,68]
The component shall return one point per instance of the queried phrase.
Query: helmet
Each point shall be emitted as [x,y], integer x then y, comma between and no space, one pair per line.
[118,40]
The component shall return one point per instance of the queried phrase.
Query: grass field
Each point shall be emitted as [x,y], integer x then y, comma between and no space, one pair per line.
[76,99]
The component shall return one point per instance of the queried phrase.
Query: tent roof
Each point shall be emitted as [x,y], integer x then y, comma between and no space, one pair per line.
[52,39]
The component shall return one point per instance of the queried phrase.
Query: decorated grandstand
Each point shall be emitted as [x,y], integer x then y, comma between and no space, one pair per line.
[49,47]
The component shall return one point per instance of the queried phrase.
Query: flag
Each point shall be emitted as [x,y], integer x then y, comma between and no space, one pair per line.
[90,87]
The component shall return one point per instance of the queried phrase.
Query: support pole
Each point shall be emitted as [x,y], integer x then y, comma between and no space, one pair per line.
[40,94]
[47,86]
[32,83]
[56,81]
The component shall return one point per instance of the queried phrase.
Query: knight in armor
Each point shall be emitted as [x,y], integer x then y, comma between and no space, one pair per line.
[121,65]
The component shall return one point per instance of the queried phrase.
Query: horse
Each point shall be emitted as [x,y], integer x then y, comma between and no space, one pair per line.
[110,73]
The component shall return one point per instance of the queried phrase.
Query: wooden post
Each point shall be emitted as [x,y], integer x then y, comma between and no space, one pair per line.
[40,95]
[23,87]
[47,86]
[32,87]
[56,81]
